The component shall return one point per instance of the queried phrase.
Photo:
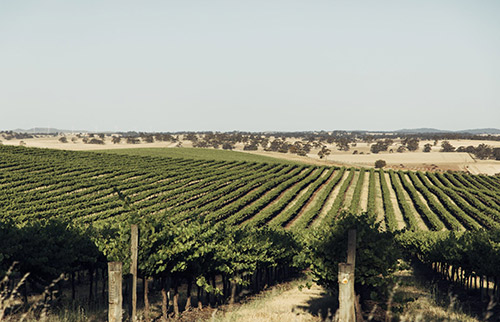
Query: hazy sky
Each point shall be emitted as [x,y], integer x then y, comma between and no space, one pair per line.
[249,65]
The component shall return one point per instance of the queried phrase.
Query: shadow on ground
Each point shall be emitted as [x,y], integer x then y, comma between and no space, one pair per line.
[323,306]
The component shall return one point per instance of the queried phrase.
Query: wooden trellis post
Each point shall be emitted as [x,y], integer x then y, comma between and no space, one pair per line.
[346,293]
[115,292]
[347,297]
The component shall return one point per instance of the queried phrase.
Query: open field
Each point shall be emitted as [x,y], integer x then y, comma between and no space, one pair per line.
[418,160]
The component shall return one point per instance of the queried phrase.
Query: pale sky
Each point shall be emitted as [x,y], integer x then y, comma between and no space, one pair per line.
[249,65]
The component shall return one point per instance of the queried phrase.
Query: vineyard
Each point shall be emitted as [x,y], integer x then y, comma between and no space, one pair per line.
[91,187]
[223,225]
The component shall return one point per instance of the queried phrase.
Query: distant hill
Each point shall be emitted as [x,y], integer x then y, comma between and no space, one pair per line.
[46,130]
[422,130]
[425,130]
[431,130]
[482,131]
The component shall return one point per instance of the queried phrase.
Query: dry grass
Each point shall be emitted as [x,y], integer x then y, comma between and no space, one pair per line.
[285,302]
[414,302]
[417,160]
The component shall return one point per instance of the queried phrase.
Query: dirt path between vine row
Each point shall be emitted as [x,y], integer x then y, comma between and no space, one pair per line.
[363,199]
[397,212]
[284,302]
[330,200]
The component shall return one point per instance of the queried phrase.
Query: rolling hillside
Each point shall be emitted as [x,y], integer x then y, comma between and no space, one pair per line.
[88,187]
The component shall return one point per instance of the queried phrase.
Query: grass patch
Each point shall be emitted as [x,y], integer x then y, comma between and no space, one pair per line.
[198,153]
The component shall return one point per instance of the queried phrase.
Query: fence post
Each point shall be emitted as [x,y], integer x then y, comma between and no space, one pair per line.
[134,244]
[346,293]
[115,292]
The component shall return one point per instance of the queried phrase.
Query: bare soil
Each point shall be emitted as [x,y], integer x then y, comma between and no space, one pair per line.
[397,212]
[363,199]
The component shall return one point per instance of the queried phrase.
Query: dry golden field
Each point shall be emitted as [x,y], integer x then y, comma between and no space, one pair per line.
[417,160]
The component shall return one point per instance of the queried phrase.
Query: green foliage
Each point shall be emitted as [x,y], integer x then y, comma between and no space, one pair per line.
[376,252]
[339,199]
[370,207]
[354,207]
[428,216]
[390,217]
[380,164]
[47,248]
[476,252]
[306,218]
[403,205]
[199,153]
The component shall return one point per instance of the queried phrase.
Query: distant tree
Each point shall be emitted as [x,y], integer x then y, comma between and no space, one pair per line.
[324,152]
[381,146]
[73,139]
[227,146]
[131,140]
[284,147]
[483,151]
[412,144]
[149,139]
[380,164]
[302,153]
[191,137]
[274,146]
[101,136]
[96,141]
[401,149]
[116,139]
[447,147]
[427,147]
[251,146]
[355,152]
[63,139]
[496,154]
[343,144]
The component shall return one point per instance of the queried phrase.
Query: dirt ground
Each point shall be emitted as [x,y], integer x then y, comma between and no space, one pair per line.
[286,302]
[418,160]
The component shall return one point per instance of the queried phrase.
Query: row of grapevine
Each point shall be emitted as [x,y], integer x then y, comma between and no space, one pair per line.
[406,211]
[286,216]
[89,187]
[429,217]
[390,217]
[307,218]
[339,199]
[451,222]
[357,192]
